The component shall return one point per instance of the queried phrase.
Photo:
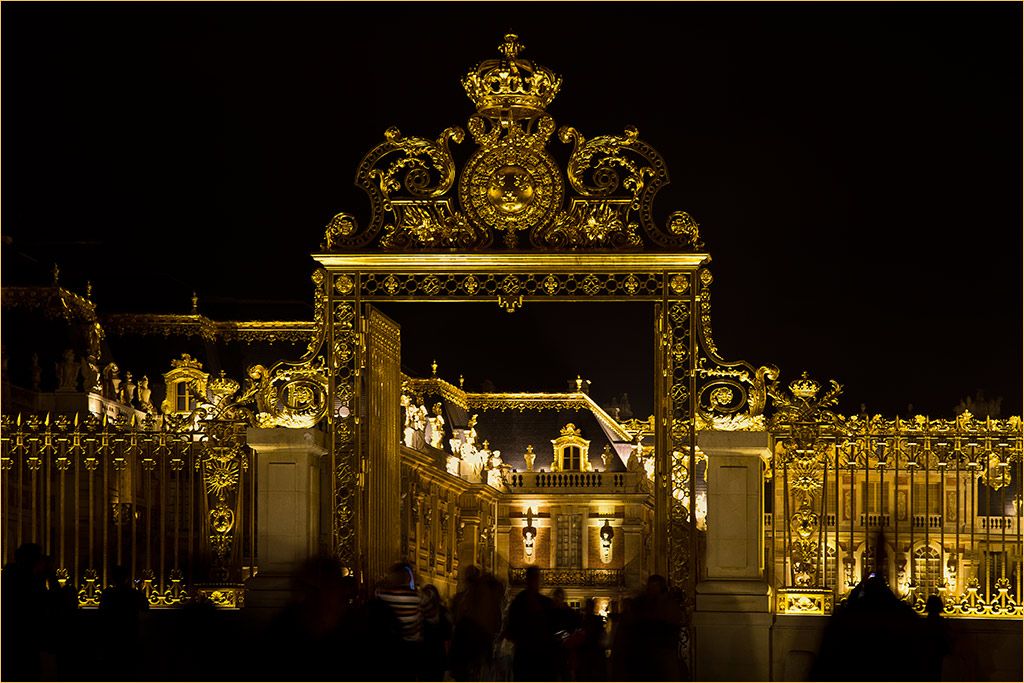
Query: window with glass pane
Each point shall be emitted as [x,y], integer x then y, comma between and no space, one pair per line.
[571,458]
[569,541]
[830,566]
[933,500]
[869,493]
[927,569]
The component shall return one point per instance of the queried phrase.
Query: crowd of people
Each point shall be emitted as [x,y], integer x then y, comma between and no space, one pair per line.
[407,632]
[332,631]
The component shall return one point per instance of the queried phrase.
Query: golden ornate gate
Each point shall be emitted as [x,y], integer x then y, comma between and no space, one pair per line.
[513,227]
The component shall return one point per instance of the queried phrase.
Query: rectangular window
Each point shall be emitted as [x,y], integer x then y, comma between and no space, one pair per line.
[184,401]
[569,528]
[934,499]
[871,501]
[571,459]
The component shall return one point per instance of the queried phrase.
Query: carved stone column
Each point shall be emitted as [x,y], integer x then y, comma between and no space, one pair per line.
[733,611]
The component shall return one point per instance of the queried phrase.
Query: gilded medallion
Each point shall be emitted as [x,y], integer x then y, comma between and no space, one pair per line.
[511,187]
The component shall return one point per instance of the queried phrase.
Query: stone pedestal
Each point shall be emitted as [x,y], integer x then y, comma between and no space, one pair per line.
[733,613]
[287,509]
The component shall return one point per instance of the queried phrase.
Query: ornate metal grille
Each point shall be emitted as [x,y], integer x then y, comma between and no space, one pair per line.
[174,506]
[933,505]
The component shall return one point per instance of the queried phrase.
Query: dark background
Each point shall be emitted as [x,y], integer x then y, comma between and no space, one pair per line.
[856,170]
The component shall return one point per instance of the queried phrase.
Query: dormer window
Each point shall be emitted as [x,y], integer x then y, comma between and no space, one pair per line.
[570,451]
[186,385]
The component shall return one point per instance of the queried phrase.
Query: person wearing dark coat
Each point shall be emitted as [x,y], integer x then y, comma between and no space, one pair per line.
[532,628]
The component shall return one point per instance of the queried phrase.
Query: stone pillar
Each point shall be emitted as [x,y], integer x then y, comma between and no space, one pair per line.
[287,509]
[733,612]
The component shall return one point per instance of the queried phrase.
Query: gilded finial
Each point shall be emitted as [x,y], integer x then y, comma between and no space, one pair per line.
[88,289]
[462,380]
[579,383]
[510,47]
[56,274]
[433,369]
[195,303]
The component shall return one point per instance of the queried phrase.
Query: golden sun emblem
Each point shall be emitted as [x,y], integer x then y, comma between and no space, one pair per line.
[510,189]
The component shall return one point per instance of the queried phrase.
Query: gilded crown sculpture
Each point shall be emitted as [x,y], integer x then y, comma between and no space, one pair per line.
[512,194]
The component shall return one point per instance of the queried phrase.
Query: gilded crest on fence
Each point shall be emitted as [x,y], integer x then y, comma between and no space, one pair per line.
[512,193]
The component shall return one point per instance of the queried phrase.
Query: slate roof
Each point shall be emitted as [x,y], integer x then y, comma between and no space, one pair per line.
[511,431]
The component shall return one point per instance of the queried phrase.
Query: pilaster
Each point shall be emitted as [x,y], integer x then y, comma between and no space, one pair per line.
[287,508]
[733,611]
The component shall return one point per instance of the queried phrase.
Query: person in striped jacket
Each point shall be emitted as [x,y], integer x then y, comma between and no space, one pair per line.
[399,593]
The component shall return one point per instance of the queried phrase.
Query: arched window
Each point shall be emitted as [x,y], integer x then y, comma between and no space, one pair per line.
[830,566]
[927,569]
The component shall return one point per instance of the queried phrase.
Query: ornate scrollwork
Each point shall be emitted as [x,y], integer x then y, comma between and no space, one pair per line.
[402,169]
[292,395]
[511,184]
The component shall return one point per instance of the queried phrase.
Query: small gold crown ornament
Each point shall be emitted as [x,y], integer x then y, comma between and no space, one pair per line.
[510,87]
[805,387]
[223,387]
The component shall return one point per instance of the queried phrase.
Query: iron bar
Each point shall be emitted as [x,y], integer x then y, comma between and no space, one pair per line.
[837,503]
[34,499]
[691,401]
[47,514]
[134,510]
[1002,524]
[788,566]
[988,533]
[896,516]
[165,481]
[61,527]
[6,503]
[20,452]
[822,554]
[956,525]
[106,509]
[1019,505]
[927,520]
[852,464]
[870,562]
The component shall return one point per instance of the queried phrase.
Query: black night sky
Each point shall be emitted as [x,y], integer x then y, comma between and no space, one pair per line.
[855,168]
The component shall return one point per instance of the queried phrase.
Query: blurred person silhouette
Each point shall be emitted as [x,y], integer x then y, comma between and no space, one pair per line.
[437,633]
[657,621]
[62,611]
[874,636]
[532,630]
[937,639]
[121,609]
[198,625]
[623,636]
[566,625]
[477,615]
[24,607]
[591,663]
[308,630]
